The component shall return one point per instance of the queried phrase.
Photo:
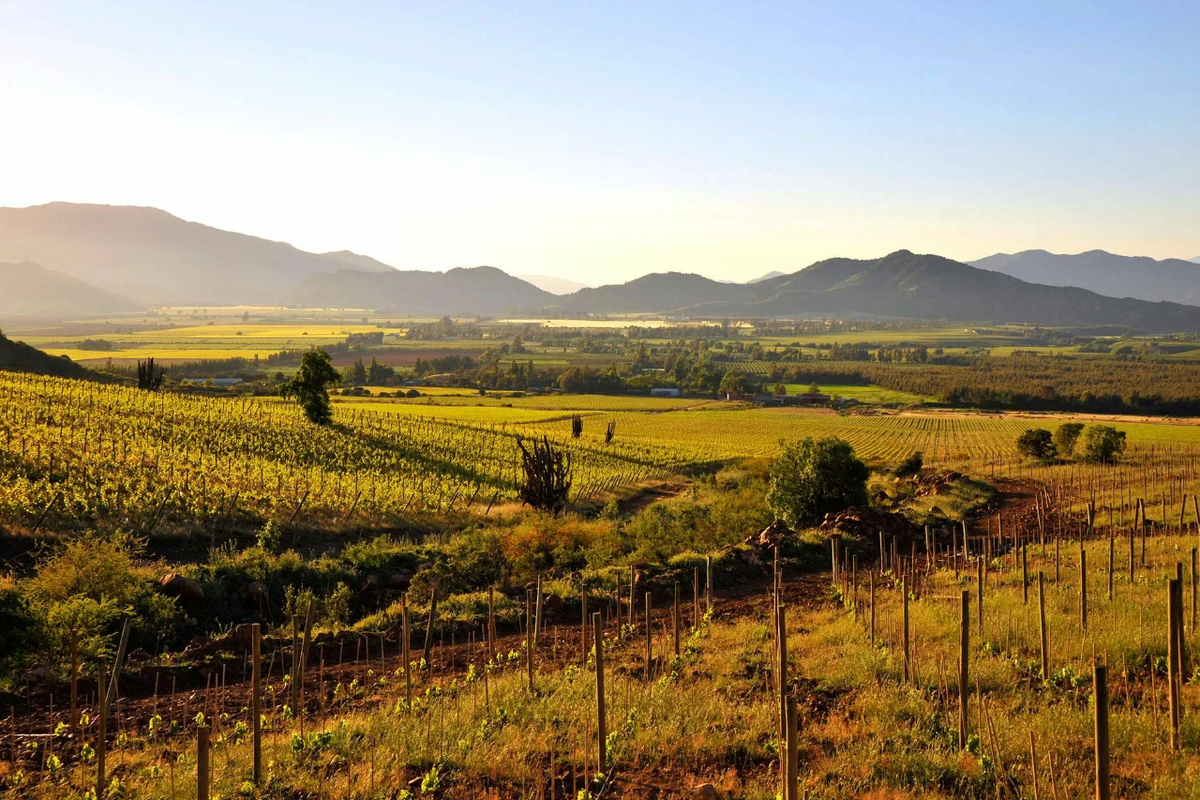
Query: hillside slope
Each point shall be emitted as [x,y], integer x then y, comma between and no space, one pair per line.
[1172,279]
[154,257]
[659,292]
[460,291]
[19,357]
[30,290]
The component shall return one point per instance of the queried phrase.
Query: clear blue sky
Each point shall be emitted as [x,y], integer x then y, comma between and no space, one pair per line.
[599,141]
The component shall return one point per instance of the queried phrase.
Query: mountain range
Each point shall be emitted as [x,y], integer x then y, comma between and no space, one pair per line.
[154,258]
[65,260]
[1172,279]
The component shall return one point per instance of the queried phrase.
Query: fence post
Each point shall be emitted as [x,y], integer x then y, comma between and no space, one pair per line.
[695,596]
[255,699]
[1100,681]
[649,640]
[1082,587]
[872,608]
[781,671]
[74,719]
[1024,574]
[601,720]
[202,732]
[406,650]
[964,640]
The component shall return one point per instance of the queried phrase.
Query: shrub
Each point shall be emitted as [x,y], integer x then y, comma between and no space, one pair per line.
[909,466]
[814,477]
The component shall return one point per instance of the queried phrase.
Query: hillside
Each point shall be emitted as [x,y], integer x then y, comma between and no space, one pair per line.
[477,290]
[1172,279]
[902,284]
[30,290]
[19,357]
[154,257]
[655,293]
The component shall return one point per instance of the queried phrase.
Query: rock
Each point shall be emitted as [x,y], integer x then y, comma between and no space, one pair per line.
[400,579]
[256,590]
[185,589]
[706,791]
[552,603]
[769,536]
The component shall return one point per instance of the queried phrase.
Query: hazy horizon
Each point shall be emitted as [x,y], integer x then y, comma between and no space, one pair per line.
[598,144]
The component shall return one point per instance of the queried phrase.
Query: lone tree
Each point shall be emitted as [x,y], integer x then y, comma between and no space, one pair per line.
[1036,443]
[310,386]
[547,475]
[814,477]
[150,375]
[1066,436]
[1102,444]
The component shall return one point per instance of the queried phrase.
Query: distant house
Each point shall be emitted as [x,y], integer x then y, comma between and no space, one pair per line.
[664,391]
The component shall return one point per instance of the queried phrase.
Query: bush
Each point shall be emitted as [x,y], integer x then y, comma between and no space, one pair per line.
[815,477]
[909,466]
[1036,443]
[1102,444]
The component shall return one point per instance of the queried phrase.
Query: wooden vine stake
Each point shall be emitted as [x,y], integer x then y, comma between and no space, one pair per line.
[1100,683]
[781,672]
[1045,634]
[708,582]
[202,771]
[792,761]
[649,641]
[964,641]
[101,731]
[907,654]
[529,637]
[675,619]
[601,718]
[1174,614]
[255,699]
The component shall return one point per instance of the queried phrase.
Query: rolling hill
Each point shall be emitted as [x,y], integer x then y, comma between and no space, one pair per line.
[156,258]
[460,291]
[30,290]
[1172,279]
[656,293]
[902,284]
[19,357]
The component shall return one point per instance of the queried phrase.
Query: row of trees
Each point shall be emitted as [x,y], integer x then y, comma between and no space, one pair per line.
[1093,444]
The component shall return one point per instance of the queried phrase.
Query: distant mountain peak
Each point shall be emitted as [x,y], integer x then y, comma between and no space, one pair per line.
[1138,277]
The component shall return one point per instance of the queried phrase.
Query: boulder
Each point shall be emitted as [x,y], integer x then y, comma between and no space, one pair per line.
[185,589]
[552,603]
[706,791]
[400,579]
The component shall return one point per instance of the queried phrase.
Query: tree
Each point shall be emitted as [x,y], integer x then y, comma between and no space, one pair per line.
[814,477]
[357,374]
[909,466]
[310,386]
[732,383]
[1102,444]
[1066,436]
[1036,443]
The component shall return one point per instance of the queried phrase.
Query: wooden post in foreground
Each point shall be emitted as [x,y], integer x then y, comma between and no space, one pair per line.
[101,730]
[964,641]
[708,583]
[649,640]
[907,656]
[202,771]
[1174,606]
[1045,634]
[791,790]
[255,699]
[1100,686]
[601,719]
[529,637]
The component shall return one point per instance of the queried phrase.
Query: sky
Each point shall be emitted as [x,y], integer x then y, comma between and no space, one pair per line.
[601,141]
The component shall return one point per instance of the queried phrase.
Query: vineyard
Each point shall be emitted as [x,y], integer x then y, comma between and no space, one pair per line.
[92,453]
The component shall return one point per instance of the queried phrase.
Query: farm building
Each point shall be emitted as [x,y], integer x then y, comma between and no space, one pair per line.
[664,391]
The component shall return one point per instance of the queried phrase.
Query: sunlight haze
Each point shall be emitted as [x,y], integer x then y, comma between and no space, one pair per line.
[600,142]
